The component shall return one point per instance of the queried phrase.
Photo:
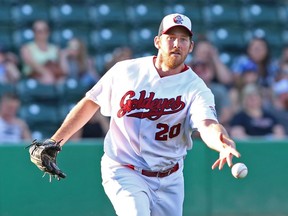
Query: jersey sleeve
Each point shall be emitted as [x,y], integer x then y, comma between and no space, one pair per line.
[202,108]
[101,92]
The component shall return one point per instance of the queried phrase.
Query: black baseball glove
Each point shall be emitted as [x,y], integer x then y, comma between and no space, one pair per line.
[43,155]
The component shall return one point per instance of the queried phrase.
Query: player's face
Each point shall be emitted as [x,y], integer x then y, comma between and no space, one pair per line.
[174,46]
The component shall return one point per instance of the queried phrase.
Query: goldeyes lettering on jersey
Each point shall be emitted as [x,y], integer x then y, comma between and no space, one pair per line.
[156,107]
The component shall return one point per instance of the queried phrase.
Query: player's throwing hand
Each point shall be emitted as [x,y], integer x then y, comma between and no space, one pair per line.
[227,153]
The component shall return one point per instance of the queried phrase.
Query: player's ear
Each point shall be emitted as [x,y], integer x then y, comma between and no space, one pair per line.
[156,42]
[191,46]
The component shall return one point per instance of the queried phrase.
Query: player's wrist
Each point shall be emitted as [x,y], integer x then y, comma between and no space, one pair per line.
[227,141]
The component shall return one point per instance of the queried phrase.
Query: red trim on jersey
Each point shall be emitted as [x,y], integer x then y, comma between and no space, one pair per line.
[185,68]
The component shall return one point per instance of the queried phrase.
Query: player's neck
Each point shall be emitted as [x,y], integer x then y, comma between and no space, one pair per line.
[164,70]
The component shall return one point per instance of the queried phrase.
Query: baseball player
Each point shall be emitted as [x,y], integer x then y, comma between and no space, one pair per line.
[154,103]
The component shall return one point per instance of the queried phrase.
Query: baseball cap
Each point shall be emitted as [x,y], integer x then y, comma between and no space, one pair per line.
[173,20]
[250,66]
[281,87]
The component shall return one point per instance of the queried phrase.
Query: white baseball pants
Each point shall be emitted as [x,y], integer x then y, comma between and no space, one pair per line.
[133,194]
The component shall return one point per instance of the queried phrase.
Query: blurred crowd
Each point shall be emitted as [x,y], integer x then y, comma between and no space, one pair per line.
[251,94]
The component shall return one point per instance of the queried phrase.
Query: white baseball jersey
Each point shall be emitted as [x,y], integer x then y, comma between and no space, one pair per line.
[152,117]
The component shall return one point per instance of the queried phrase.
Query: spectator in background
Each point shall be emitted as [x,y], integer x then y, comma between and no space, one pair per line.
[280,105]
[40,57]
[76,63]
[257,52]
[12,128]
[252,120]
[205,51]
[263,71]
[280,90]
[9,71]
[119,54]
[206,71]
[249,76]
[96,127]
[283,65]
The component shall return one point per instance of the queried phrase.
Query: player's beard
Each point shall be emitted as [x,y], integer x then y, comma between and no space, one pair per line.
[175,61]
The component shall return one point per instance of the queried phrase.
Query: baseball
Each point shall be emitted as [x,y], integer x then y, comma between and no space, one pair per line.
[239,170]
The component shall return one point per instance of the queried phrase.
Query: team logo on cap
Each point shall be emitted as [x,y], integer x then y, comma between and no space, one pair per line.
[178,19]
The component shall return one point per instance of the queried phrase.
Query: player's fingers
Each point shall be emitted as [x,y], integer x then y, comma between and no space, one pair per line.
[222,163]
[235,152]
[216,163]
[229,160]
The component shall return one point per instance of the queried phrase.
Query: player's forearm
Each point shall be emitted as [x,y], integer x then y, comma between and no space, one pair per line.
[215,135]
[75,119]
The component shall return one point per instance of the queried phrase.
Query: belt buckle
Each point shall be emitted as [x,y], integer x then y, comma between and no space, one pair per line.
[166,172]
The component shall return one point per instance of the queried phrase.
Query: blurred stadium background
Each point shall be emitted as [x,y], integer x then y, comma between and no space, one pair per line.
[105,25]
